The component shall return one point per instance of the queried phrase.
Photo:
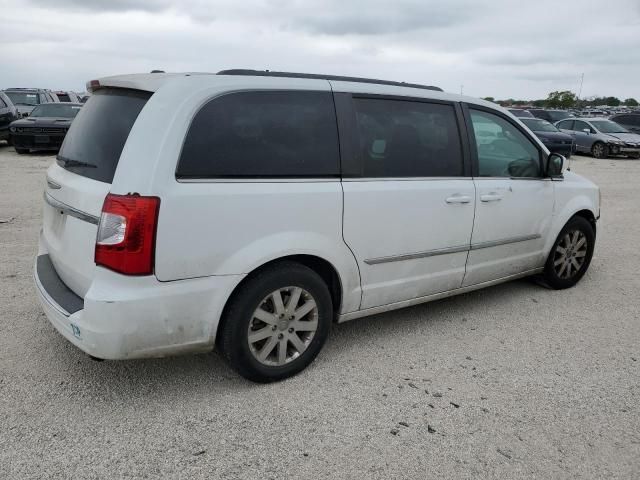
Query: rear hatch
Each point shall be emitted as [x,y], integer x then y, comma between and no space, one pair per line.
[79,181]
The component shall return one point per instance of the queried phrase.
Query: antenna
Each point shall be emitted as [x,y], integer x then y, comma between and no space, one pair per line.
[581,81]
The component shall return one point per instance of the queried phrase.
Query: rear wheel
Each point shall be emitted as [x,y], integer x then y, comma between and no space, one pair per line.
[571,254]
[276,323]
[599,150]
[635,156]
[21,151]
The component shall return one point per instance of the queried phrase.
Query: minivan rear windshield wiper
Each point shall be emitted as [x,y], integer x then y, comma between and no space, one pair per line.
[67,162]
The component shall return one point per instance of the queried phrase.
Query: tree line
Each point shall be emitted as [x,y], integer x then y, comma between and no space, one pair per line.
[567,99]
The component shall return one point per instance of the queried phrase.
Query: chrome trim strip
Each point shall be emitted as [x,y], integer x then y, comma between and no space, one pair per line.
[258,180]
[401,179]
[345,317]
[68,210]
[53,185]
[446,251]
[412,256]
[505,241]
[316,180]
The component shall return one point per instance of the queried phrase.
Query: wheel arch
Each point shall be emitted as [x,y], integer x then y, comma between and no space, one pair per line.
[587,215]
[325,269]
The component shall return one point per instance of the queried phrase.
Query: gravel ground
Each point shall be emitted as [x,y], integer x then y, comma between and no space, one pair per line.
[509,382]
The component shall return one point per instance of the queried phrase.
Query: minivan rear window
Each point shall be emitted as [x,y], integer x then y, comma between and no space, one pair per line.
[97,135]
[263,134]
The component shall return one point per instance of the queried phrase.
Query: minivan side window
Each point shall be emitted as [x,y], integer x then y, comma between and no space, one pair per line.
[399,138]
[2,103]
[263,134]
[503,151]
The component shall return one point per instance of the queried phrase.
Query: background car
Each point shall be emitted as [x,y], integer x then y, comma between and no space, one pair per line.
[551,116]
[45,128]
[26,99]
[630,121]
[8,114]
[554,139]
[67,96]
[601,137]
[521,113]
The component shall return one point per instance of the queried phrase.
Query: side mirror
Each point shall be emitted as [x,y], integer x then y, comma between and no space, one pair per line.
[556,165]
[587,131]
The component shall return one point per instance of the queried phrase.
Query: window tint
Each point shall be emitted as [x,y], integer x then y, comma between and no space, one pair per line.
[407,139]
[503,151]
[632,120]
[566,125]
[263,134]
[99,132]
[63,97]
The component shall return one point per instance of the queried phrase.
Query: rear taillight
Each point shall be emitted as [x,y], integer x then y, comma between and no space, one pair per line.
[127,234]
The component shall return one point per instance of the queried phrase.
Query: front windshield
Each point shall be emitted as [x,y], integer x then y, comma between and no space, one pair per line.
[23,98]
[538,125]
[607,126]
[55,110]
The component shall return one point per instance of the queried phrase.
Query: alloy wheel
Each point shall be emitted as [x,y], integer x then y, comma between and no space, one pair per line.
[570,254]
[283,326]
[598,150]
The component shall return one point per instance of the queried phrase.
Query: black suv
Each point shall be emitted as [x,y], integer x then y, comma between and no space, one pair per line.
[551,116]
[26,99]
[8,114]
[630,121]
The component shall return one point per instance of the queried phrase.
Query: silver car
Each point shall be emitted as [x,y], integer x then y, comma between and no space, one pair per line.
[601,137]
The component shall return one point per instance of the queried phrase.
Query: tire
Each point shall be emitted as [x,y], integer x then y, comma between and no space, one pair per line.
[578,239]
[21,151]
[599,150]
[635,156]
[262,360]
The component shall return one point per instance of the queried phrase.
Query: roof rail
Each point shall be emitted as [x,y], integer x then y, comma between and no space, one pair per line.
[267,73]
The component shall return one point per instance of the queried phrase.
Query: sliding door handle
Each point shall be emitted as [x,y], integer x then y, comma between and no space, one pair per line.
[458,199]
[490,197]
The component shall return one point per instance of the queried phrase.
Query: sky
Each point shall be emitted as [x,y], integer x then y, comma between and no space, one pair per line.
[498,48]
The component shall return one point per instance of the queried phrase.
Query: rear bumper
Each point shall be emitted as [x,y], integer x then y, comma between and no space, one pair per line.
[124,317]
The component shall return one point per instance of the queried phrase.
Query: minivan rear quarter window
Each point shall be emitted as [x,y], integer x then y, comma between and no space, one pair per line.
[97,135]
[263,134]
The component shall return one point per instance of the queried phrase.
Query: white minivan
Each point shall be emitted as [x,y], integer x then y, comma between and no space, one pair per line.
[249,210]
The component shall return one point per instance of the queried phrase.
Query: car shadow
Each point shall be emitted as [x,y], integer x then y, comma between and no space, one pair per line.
[209,374]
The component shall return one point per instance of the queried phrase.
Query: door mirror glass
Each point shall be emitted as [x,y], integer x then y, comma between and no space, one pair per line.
[556,165]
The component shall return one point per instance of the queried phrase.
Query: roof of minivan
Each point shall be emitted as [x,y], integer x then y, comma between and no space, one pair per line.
[152,82]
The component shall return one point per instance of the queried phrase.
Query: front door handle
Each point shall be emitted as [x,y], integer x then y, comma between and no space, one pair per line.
[491,197]
[457,199]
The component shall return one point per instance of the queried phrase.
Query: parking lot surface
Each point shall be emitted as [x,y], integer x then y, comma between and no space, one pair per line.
[510,382]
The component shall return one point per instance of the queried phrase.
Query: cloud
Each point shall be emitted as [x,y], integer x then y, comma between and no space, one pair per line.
[105,6]
[499,48]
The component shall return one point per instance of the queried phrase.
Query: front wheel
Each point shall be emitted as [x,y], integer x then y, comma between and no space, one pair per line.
[571,254]
[21,151]
[599,150]
[276,323]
